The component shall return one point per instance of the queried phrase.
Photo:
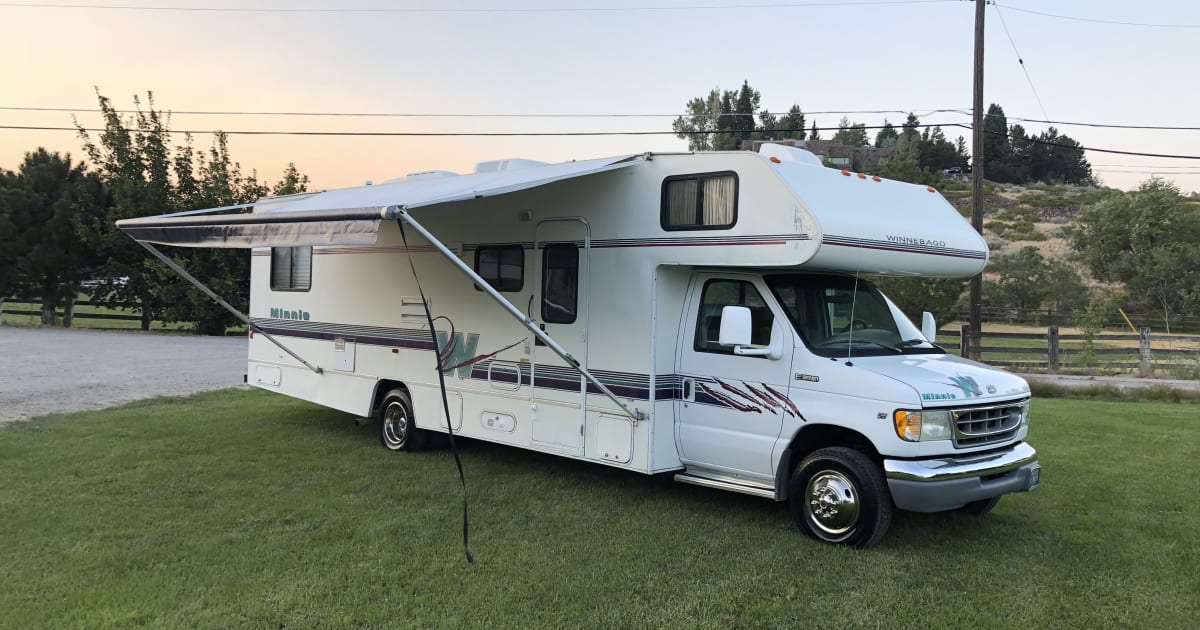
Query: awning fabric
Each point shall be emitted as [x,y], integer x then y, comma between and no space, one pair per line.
[349,216]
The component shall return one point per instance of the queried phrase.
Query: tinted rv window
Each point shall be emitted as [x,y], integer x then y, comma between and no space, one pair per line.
[699,202]
[291,268]
[560,283]
[503,267]
[721,293]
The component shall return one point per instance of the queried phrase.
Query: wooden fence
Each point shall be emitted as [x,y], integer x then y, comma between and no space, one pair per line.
[37,312]
[1104,350]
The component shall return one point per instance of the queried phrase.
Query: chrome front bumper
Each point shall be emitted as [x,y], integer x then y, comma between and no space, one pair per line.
[935,485]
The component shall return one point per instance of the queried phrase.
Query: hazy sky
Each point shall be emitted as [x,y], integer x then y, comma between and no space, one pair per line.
[639,60]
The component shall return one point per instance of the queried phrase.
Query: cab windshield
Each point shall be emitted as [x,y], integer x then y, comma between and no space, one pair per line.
[836,318]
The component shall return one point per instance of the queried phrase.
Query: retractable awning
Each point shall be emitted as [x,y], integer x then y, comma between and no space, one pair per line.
[349,216]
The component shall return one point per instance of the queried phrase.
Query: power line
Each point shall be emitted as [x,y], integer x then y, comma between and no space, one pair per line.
[469,115]
[918,112]
[967,112]
[1096,20]
[517,10]
[268,132]
[1095,149]
[1021,61]
[249,132]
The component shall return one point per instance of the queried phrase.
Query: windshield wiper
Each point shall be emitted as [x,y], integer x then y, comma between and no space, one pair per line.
[834,344]
[908,343]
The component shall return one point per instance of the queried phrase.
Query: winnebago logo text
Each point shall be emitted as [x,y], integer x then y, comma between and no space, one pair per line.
[912,240]
[280,313]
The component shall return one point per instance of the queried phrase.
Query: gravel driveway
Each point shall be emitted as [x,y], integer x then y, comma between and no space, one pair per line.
[49,370]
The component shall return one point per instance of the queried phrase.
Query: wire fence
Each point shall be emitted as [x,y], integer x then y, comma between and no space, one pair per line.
[1131,322]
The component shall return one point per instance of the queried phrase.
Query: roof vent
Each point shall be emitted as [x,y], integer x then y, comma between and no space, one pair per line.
[420,175]
[514,164]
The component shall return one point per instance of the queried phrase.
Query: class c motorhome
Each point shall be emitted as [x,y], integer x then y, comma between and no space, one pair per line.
[702,314]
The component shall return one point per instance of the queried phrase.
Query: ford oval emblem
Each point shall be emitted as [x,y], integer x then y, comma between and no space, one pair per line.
[991,389]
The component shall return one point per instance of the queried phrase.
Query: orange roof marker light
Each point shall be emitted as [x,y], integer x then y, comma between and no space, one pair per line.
[875,178]
[930,189]
[862,175]
[775,159]
[845,172]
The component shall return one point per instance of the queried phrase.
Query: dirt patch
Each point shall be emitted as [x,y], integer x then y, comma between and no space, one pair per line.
[46,370]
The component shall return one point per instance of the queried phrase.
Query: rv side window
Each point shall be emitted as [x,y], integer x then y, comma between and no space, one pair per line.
[699,202]
[560,283]
[721,293]
[291,268]
[503,267]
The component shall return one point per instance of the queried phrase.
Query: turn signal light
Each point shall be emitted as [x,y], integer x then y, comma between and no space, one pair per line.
[908,425]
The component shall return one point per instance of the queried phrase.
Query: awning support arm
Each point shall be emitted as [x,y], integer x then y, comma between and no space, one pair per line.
[216,298]
[401,214]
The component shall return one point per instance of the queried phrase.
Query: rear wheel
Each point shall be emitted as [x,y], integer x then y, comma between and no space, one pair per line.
[397,431]
[839,496]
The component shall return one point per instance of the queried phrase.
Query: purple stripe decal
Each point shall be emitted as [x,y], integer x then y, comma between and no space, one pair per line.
[859,243]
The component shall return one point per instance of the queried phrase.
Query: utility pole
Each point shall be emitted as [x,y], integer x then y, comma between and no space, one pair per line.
[975,324]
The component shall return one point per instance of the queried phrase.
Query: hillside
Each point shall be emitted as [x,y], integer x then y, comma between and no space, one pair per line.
[1017,216]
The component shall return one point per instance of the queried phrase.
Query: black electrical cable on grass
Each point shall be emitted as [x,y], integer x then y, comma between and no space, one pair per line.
[442,385]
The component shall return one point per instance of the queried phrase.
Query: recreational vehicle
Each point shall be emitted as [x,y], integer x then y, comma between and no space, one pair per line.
[702,314]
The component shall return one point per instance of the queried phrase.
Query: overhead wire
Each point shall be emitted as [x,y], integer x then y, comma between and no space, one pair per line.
[967,112]
[916,112]
[272,132]
[1021,61]
[1095,20]
[265,132]
[444,10]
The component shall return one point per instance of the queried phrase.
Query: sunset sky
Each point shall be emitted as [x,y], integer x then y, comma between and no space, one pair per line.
[475,57]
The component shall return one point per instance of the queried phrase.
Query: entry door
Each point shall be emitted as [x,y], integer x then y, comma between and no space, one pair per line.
[560,305]
[730,416]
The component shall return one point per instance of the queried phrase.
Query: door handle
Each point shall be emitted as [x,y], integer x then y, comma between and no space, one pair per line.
[688,389]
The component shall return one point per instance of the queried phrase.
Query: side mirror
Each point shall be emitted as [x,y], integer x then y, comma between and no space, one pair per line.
[735,331]
[928,326]
[735,326]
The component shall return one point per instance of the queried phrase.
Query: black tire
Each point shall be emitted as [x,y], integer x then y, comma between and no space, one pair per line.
[978,508]
[839,496]
[397,430]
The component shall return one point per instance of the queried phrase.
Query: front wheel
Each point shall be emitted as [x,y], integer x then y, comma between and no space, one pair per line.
[838,495]
[397,431]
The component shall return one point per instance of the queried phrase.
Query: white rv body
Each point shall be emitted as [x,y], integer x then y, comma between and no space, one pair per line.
[718,417]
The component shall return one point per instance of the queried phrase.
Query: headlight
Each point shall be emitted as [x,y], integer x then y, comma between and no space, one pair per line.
[923,426]
[1025,411]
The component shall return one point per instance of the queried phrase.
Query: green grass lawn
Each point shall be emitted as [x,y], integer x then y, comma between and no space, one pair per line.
[242,508]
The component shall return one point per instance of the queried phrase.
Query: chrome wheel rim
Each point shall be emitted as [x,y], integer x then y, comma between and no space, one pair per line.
[395,426]
[831,502]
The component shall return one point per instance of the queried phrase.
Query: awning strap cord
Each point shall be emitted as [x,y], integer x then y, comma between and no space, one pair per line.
[442,384]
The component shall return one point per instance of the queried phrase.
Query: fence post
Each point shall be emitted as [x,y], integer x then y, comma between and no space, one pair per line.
[964,341]
[1052,349]
[1144,346]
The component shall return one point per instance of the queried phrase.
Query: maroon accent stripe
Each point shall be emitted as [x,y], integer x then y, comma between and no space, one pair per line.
[978,256]
[787,401]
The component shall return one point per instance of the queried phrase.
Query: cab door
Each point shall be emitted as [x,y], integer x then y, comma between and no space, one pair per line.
[732,409]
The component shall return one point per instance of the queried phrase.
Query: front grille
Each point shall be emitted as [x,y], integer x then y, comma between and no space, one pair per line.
[986,425]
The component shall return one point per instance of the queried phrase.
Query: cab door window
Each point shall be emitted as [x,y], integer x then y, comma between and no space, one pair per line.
[716,296]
